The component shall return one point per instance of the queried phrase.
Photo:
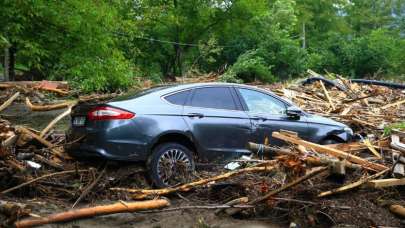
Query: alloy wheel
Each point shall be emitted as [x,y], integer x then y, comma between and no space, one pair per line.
[174,167]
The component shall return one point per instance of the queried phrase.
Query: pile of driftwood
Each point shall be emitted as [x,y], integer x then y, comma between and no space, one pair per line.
[304,183]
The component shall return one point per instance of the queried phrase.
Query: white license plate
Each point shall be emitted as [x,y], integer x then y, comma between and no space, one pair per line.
[79,121]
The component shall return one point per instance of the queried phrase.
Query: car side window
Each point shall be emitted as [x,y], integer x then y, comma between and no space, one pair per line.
[213,97]
[258,102]
[178,98]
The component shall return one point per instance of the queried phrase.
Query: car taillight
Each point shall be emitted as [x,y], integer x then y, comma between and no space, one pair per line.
[109,113]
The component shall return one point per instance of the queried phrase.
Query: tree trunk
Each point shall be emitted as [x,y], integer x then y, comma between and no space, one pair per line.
[304,44]
[6,64]
[11,69]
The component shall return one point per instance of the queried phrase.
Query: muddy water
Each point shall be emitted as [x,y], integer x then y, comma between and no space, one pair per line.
[19,114]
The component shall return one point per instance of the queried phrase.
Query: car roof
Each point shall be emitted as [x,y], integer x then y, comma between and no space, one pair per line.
[177,87]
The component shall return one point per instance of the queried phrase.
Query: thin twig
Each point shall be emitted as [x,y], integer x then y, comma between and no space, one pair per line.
[209,207]
[40,178]
[90,187]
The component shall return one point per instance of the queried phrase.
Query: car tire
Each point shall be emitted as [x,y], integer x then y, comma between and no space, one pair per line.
[330,141]
[163,172]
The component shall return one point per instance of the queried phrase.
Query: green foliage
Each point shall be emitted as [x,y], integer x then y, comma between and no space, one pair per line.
[69,39]
[399,126]
[105,45]
[250,66]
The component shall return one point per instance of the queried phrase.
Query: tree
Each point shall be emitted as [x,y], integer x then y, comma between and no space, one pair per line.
[68,39]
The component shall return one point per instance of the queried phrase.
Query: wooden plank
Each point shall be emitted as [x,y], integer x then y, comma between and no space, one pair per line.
[331,151]
[371,148]
[325,91]
[383,183]
[348,147]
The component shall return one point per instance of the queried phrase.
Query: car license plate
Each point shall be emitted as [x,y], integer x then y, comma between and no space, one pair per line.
[79,121]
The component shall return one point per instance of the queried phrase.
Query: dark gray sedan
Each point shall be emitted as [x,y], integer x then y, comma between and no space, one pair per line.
[169,127]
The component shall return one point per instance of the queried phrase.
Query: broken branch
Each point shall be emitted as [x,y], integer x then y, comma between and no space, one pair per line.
[119,207]
[352,185]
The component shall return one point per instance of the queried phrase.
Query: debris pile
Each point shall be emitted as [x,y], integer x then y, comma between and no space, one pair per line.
[357,183]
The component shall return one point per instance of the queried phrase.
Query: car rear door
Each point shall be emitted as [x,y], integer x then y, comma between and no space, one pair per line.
[217,122]
[268,114]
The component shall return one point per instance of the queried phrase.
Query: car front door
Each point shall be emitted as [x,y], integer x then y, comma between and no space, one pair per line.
[217,122]
[268,114]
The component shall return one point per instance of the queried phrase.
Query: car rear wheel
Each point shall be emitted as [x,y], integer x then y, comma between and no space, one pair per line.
[170,164]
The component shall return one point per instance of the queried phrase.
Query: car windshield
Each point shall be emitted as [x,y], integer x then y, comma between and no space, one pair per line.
[139,93]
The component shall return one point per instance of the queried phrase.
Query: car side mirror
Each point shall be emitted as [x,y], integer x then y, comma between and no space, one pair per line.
[294,112]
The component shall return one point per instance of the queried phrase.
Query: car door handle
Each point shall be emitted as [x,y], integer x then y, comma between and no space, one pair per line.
[262,118]
[199,115]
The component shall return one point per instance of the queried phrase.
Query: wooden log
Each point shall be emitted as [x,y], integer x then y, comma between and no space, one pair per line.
[254,147]
[120,207]
[348,147]
[9,101]
[9,141]
[48,107]
[325,91]
[383,183]
[352,185]
[144,193]
[55,121]
[53,90]
[398,210]
[51,146]
[331,151]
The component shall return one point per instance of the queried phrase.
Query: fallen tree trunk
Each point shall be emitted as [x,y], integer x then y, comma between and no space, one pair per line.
[330,151]
[120,207]
[48,107]
[55,121]
[143,193]
[9,101]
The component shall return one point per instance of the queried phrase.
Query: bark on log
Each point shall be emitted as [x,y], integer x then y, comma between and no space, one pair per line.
[48,107]
[120,207]
[9,101]
[254,147]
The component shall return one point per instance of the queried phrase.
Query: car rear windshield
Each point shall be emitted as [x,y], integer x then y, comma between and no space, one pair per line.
[139,93]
